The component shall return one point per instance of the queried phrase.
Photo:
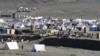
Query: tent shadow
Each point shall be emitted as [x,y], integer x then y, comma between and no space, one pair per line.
[74,43]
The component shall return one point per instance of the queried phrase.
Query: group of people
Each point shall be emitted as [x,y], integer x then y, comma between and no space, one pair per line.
[21,46]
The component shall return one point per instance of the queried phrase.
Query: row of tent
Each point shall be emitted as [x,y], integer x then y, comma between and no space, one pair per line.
[44,23]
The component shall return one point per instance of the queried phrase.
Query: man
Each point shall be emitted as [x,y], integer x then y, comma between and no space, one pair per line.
[22,47]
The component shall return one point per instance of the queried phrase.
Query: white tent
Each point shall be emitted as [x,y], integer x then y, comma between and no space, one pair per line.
[64,20]
[29,24]
[39,48]
[80,25]
[19,25]
[39,17]
[78,20]
[2,21]
[22,26]
[63,27]
[44,27]
[90,21]
[11,46]
[59,27]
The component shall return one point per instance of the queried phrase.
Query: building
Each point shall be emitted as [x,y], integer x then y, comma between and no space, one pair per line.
[23,9]
[21,14]
[6,15]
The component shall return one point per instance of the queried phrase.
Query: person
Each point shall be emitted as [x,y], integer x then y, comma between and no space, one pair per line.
[29,39]
[58,34]
[54,33]
[22,46]
[68,34]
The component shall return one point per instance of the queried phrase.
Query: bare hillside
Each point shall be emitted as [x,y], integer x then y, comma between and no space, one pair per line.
[56,8]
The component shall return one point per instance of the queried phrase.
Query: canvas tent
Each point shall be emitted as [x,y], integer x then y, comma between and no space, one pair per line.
[37,18]
[38,48]
[63,27]
[2,21]
[11,46]
[44,27]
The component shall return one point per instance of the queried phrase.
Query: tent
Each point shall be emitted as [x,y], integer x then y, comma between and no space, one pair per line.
[39,17]
[78,20]
[38,48]
[19,25]
[63,27]
[2,21]
[44,27]
[11,46]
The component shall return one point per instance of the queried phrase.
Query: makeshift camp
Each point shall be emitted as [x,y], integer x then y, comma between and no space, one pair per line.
[38,48]
[11,46]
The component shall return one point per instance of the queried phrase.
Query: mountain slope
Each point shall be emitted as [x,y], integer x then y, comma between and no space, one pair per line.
[56,8]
